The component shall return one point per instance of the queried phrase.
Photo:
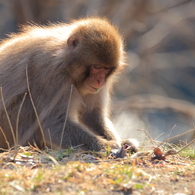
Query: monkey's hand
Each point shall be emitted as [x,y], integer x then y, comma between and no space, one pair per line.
[131,144]
[126,145]
[113,144]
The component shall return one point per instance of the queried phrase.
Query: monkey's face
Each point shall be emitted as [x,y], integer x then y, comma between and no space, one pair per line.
[96,79]
[95,51]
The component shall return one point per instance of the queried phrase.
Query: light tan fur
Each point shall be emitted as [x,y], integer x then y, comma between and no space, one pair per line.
[56,57]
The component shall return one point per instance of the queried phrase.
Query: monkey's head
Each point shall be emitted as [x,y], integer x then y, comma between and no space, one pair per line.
[97,53]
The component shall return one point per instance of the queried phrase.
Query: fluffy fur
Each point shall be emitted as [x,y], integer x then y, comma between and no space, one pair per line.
[54,60]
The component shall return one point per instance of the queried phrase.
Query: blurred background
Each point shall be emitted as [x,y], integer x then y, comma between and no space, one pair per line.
[157,90]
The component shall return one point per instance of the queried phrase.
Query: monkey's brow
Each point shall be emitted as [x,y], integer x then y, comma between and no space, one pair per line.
[105,66]
[102,66]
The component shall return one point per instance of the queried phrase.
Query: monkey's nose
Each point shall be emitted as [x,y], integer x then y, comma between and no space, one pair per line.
[100,81]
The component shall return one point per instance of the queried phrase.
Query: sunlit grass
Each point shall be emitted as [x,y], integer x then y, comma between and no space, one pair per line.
[88,171]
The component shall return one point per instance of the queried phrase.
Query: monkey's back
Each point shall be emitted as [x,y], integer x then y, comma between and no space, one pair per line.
[36,51]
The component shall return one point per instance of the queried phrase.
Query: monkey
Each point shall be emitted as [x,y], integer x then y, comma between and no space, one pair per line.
[56,81]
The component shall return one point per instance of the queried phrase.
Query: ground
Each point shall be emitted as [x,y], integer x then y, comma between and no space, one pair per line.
[31,171]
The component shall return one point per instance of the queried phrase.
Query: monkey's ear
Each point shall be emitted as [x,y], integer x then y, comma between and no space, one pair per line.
[72,41]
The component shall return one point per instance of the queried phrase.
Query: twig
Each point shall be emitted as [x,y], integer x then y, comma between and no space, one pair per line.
[50,139]
[172,130]
[69,100]
[148,136]
[6,141]
[171,7]
[171,152]
[159,135]
[49,156]
[74,147]
[175,137]
[8,118]
[186,146]
[31,99]
[149,101]
[18,116]
[16,152]
[16,186]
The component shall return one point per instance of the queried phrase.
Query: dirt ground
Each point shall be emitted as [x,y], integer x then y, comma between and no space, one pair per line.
[36,172]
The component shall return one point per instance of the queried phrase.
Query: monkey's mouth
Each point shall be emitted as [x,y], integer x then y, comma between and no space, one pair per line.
[94,88]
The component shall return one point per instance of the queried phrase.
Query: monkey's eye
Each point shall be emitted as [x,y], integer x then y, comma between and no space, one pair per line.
[107,70]
[97,67]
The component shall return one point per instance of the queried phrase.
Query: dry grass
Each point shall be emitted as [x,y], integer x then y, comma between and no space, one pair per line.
[31,171]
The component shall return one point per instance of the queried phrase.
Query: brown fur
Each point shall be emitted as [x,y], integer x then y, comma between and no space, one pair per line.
[52,59]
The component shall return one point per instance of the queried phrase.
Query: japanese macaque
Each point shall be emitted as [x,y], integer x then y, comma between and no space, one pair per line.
[55,85]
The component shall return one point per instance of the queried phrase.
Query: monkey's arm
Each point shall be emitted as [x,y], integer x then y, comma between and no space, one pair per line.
[100,124]
[74,135]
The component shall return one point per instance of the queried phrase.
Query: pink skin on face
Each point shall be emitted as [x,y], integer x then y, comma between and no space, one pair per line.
[96,79]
